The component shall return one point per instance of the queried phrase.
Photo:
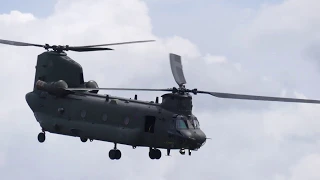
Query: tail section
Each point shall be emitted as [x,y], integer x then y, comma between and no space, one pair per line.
[53,66]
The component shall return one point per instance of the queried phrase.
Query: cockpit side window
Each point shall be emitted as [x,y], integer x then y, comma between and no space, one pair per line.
[196,124]
[181,124]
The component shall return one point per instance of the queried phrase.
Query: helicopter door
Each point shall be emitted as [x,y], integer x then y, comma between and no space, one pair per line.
[149,124]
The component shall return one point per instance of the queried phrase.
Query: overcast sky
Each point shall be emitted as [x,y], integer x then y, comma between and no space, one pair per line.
[253,47]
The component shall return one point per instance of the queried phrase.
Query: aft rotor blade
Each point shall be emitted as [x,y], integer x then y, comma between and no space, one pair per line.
[111,44]
[259,98]
[176,68]
[116,89]
[16,43]
[70,48]
[86,49]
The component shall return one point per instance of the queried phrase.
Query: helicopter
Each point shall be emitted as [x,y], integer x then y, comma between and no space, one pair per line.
[63,103]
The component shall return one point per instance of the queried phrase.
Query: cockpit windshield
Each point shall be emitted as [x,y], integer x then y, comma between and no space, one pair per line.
[181,124]
[186,123]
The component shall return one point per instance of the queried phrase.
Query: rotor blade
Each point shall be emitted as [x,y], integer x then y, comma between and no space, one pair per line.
[86,49]
[117,89]
[111,44]
[259,98]
[16,43]
[176,68]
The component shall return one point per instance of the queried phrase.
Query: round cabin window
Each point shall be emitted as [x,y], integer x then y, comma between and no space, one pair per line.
[126,121]
[104,117]
[83,113]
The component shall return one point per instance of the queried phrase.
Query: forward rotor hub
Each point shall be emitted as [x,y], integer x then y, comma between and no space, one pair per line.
[182,90]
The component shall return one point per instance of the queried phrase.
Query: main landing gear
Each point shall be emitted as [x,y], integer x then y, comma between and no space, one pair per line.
[154,153]
[41,137]
[115,154]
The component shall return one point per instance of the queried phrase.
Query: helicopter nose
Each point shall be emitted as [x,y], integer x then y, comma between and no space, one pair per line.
[200,137]
[195,138]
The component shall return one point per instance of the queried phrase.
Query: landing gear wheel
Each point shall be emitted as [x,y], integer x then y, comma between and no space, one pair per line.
[41,137]
[151,154]
[114,154]
[83,139]
[155,154]
[117,154]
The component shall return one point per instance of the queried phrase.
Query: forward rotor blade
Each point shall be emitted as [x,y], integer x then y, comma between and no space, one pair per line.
[16,43]
[111,44]
[259,98]
[176,68]
[117,89]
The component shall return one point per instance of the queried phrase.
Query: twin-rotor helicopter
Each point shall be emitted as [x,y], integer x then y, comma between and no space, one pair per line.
[63,103]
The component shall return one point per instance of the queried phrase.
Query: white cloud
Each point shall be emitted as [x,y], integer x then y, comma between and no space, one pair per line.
[250,139]
[2,159]
[291,24]
[16,17]
[288,16]
[306,168]
[215,59]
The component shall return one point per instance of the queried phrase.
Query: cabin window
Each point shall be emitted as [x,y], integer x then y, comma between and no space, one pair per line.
[126,121]
[104,117]
[83,113]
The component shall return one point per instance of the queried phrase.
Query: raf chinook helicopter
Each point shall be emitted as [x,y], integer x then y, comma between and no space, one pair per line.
[63,103]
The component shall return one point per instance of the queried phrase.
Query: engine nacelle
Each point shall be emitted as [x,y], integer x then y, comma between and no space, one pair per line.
[54,88]
[92,84]
[60,84]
